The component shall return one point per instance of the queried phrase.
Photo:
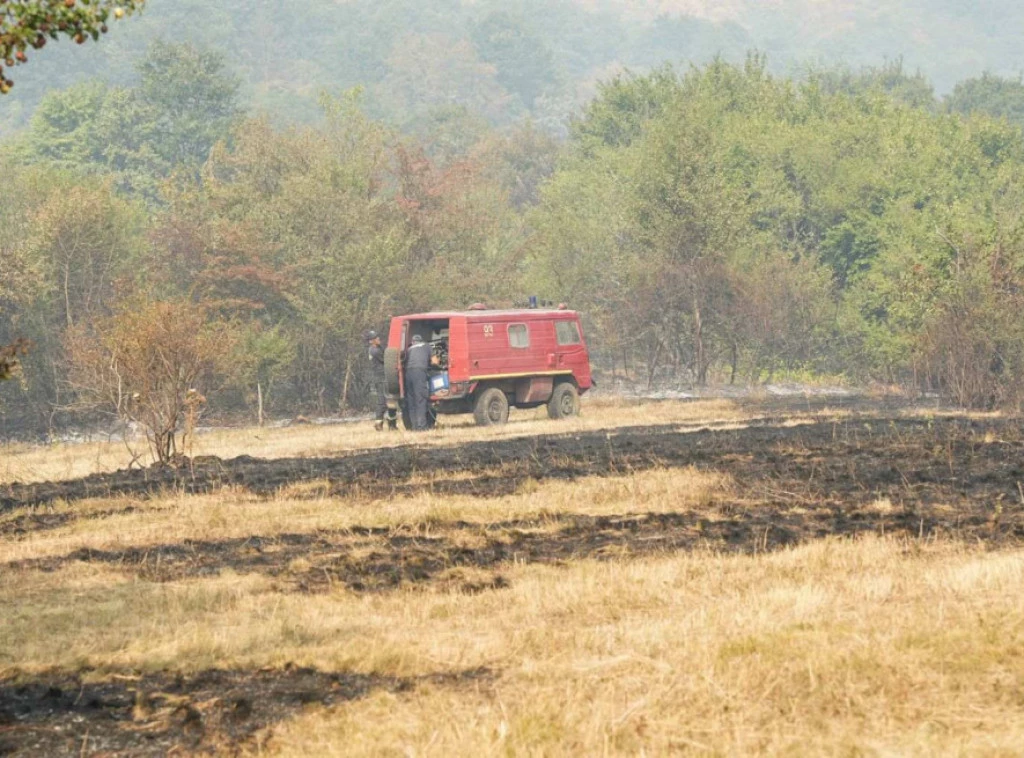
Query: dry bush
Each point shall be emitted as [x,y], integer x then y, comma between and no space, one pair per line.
[974,347]
[151,363]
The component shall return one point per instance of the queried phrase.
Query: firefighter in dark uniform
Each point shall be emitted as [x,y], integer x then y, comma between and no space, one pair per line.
[417,382]
[376,353]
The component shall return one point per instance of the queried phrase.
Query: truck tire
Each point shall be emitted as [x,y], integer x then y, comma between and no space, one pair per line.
[564,402]
[392,362]
[491,407]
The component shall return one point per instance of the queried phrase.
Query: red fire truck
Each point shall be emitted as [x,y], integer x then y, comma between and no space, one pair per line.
[487,361]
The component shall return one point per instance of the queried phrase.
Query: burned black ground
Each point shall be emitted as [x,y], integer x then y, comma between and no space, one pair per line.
[374,560]
[880,473]
[791,484]
[214,712]
[973,466]
[864,456]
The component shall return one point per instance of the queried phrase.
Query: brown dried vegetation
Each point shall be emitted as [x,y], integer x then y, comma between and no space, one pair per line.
[835,582]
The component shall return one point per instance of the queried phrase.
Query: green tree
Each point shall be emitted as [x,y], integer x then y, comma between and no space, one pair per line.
[524,63]
[448,133]
[185,103]
[994,95]
[623,107]
[71,246]
[890,78]
[427,71]
[737,223]
[320,195]
[191,96]
[520,160]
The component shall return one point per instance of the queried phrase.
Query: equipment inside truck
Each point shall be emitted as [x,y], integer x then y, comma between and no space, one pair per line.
[434,333]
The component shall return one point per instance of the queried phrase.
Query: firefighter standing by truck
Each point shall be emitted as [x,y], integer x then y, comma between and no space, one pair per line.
[376,354]
[417,382]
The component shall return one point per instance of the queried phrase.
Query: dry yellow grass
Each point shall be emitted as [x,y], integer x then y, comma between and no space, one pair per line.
[21,462]
[32,463]
[866,647]
[234,513]
[841,647]
[834,649]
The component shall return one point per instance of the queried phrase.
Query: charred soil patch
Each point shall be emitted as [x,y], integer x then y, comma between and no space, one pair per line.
[40,520]
[373,560]
[386,472]
[214,712]
[911,477]
[966,464]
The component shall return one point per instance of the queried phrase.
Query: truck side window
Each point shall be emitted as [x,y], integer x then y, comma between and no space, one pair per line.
[518,336]
[567,333]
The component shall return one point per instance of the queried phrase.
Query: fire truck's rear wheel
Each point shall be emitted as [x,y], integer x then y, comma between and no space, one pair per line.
[491,407]
[564,402]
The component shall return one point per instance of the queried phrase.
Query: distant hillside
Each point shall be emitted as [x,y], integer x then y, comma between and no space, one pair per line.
[948,40]
[507,60]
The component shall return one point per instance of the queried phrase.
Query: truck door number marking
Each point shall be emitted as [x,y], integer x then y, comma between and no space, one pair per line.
[488,330]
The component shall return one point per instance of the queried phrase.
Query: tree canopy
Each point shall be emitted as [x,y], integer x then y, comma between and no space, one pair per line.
[714,224]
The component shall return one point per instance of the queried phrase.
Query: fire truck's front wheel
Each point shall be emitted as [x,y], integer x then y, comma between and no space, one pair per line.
[564,402]
[491,407]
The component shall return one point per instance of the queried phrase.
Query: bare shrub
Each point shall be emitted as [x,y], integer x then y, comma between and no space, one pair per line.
[973,346]
[151,363]
[777,313]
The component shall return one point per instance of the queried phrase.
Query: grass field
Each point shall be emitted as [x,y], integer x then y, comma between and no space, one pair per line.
[688,578]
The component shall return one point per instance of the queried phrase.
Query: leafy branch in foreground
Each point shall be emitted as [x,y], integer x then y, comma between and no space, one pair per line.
[28,23]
